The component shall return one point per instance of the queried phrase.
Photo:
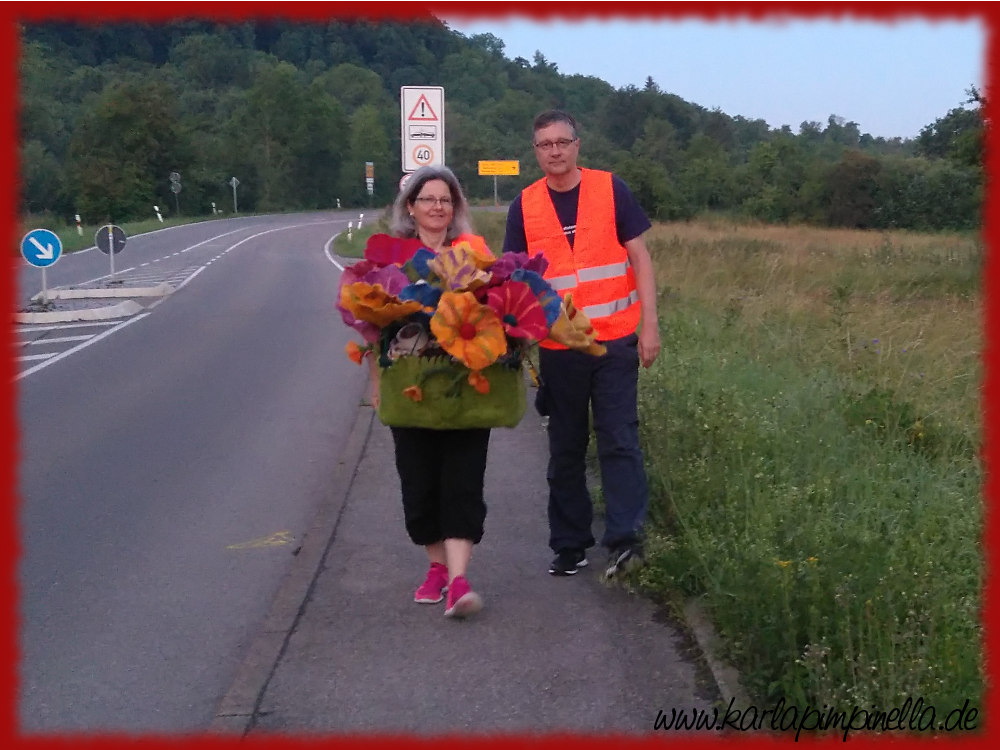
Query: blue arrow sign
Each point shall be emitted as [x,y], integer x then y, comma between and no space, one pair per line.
[41,247]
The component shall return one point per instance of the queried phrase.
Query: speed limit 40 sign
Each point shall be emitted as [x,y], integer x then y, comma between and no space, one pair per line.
[422,109]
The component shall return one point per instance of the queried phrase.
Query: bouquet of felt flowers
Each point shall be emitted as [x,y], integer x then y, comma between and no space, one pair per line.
[452,329]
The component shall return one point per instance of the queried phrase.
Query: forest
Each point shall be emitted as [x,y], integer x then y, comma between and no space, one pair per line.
[294,110]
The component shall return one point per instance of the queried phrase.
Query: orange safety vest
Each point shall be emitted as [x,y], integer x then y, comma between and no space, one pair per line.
[596,270]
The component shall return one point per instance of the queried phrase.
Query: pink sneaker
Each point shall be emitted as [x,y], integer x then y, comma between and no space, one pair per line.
[462,600]
[432,590]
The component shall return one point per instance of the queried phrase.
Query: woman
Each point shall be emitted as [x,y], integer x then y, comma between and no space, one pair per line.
[440,471]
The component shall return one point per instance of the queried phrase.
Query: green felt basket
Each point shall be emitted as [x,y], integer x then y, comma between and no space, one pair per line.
[448,401]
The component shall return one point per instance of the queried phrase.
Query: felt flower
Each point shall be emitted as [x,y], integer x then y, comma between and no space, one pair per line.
[510,262]
[479,381]
[417,268]
[424,293]
[457,268]
[519,311]
[468,331]
[548,298]
[414,393]
[573,329]
[475,247]
[384,250]
[373,304]
[356,353]
[389,278]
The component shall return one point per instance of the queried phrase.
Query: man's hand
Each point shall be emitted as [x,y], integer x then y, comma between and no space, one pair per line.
[649,345]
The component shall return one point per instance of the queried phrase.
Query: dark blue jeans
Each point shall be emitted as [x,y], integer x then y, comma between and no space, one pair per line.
[573,384]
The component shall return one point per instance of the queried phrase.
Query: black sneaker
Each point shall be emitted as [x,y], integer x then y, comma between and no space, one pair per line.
[567,562]
[624,558]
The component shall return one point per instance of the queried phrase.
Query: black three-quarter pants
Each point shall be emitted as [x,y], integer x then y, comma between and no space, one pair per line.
[441,474]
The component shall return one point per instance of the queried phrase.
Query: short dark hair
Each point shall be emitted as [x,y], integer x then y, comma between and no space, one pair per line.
[553,116]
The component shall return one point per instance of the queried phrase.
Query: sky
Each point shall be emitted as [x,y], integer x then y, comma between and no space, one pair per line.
[892,78]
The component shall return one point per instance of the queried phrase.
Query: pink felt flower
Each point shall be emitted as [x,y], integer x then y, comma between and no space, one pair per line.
[518,309]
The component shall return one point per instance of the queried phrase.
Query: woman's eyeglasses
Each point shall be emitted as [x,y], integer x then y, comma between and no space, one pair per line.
[427,201]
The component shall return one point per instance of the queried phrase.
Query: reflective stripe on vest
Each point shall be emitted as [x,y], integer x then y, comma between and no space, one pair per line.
[596,269]
[610,308]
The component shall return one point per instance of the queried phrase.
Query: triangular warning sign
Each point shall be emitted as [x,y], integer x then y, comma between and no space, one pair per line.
[422,111]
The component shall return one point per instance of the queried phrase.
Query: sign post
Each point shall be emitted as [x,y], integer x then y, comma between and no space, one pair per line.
[175,188]
[370,178]
[499,167]
[110,240]
[234,182]
[422,109]
[41,248]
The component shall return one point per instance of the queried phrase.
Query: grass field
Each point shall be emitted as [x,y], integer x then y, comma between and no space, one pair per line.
[812,435]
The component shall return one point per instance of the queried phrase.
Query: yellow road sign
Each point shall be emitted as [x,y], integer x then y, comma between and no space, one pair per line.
[499,167]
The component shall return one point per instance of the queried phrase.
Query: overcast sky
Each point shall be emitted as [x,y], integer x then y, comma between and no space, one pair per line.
[890,78]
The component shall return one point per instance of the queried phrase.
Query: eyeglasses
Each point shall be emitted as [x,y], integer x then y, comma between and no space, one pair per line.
[561,143]
[428,201]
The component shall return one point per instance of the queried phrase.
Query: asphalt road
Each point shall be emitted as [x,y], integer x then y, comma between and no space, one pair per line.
[168,469]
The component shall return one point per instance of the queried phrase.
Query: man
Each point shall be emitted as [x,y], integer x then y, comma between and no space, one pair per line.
[589,227]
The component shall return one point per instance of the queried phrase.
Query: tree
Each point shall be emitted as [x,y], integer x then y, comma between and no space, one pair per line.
[123,150]
[958,135]
[853,189]
[367,141]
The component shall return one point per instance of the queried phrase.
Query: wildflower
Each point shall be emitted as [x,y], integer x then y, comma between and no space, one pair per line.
[518,309]
[783,563]
[414,393]
[468,331]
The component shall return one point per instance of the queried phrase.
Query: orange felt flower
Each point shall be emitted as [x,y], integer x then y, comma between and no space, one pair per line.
[373,304]
[470,332]
[355,352]
[479,381]
[414,393]
[477,248]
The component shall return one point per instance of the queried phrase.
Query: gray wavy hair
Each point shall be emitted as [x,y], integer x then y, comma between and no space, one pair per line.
[403,225]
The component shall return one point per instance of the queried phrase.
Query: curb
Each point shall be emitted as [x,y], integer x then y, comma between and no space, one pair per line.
[160,290]
[121,310]
[727,679]
[237,709]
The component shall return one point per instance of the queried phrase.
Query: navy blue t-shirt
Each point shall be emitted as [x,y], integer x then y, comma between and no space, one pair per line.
[630,219]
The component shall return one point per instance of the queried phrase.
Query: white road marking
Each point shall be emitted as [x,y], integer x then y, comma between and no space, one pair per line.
[78,347]
[60,340]
[94,339]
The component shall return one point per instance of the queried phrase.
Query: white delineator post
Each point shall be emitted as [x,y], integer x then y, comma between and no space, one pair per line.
[79,229]
[158,216]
